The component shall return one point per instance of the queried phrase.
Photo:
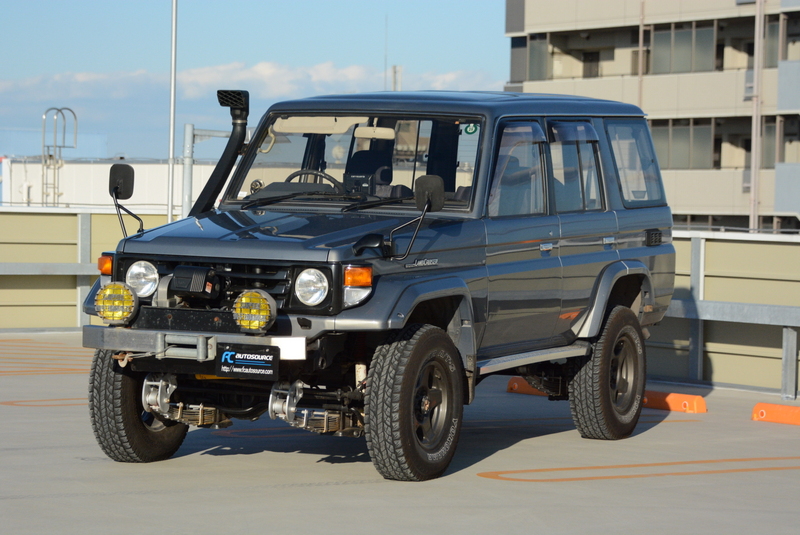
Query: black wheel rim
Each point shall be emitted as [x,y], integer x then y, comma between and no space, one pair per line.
[622,373]
[431,405]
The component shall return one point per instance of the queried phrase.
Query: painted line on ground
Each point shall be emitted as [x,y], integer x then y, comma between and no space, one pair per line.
[59,402]
[507,475]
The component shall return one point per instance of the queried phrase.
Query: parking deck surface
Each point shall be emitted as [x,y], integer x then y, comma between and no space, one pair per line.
[520,467]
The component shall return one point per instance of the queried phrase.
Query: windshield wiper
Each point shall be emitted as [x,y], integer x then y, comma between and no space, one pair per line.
[372,204]
[311,194]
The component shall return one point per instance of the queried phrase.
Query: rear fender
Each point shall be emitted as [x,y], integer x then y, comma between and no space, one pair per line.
[593,321]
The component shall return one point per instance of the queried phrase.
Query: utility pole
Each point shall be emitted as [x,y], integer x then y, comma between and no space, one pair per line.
[755,133]
[171,160]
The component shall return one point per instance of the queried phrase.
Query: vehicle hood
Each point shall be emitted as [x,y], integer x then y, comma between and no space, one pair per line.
[263,234]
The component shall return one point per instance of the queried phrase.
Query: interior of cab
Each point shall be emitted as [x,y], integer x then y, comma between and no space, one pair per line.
[373,158]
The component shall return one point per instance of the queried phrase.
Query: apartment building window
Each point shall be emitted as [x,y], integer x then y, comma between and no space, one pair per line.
[683,47]
[684,143]
[538,57]
[591,64]
[519,59]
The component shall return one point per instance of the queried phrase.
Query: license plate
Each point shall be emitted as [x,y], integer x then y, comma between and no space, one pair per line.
[248,361]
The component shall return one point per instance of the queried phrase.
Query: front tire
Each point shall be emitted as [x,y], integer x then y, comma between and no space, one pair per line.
[123,429]
[606,394]
[414,404]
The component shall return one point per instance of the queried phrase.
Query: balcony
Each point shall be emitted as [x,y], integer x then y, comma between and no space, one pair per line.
[699,94]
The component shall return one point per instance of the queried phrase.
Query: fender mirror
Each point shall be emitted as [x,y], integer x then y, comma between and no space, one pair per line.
[429,191]
[120,181]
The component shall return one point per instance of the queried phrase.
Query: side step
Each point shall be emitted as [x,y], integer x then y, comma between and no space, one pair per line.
[488,366]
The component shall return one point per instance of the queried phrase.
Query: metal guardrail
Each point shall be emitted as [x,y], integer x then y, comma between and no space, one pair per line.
[782,316]
[699,310]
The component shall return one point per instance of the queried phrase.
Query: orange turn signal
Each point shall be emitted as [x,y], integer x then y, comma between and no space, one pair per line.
[104,264]
[360,276]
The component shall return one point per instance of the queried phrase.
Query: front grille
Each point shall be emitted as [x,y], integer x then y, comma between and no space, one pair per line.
[234,276]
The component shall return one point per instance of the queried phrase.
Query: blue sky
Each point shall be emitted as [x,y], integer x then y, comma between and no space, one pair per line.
[110,61]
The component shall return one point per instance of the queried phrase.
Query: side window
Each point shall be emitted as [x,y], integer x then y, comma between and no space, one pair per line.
[639,179]
[518,179]
[576,169]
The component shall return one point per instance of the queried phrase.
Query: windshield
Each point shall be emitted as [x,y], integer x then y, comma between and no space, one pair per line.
[357,159]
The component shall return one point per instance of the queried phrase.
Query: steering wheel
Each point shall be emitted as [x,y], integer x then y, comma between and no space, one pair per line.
[338,186]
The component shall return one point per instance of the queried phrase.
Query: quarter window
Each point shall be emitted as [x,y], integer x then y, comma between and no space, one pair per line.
[639,179]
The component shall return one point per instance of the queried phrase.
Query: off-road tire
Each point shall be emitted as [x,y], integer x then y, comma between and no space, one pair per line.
[606,394]
[417,368]
[124,431]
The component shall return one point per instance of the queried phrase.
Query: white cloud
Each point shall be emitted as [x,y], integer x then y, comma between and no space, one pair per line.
[132,106]
[265,80]
[270,80]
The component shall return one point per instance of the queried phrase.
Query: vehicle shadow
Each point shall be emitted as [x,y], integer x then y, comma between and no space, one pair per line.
[249,438]
[499,420]
[496,421]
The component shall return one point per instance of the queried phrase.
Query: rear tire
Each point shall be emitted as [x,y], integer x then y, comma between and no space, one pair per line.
[414,404]
[606,394]
[123,429]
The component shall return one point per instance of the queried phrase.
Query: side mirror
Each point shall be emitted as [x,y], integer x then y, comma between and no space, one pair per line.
[120,181]
[429,189]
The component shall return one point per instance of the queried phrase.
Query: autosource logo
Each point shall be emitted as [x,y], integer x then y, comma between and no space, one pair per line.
[232,357]
[236,364]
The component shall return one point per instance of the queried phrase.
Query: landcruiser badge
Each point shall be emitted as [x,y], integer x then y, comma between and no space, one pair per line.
[423,262]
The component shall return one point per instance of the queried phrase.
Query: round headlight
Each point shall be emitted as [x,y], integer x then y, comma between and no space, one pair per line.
[143,278]
[311,287]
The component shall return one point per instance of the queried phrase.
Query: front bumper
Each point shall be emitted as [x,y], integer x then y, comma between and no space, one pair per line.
[199,346]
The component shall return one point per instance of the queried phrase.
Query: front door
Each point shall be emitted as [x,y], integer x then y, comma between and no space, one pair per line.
[522,243]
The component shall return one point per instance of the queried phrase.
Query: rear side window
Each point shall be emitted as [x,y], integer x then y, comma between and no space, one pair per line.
[639,179]
[576,176]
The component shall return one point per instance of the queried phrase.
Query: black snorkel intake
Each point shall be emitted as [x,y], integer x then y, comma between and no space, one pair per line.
[239,103]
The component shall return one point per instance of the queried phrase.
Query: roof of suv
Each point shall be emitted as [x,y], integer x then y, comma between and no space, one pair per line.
[467,102]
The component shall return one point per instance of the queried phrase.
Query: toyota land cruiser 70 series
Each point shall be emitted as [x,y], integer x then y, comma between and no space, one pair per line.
[361,262]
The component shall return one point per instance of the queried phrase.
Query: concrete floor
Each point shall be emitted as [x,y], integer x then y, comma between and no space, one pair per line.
[521,467]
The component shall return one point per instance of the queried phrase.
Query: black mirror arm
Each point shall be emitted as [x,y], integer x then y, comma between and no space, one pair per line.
[119,215]
[418,221]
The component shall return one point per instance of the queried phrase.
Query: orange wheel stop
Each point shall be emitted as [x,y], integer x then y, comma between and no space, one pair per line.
[779,414]
[653,400]
[674,402]
[519,385]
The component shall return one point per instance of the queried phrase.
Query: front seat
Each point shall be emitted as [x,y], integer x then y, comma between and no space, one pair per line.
[368,172]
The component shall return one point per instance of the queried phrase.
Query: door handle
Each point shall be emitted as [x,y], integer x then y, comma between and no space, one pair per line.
[609,240]
[546,247]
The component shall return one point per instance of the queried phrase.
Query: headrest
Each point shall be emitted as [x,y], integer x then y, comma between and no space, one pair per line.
[370,163]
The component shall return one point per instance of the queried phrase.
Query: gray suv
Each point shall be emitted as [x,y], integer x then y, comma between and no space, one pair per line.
[360,263]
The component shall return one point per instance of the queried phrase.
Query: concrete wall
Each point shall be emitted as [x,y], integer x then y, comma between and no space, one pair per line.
[84,184]
[48,261]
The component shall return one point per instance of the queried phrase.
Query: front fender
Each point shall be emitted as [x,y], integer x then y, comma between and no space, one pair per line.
[396,299]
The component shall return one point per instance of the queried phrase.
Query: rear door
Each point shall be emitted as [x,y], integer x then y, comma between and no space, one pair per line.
[588,229]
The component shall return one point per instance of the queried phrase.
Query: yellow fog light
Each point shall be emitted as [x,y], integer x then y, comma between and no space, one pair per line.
[254,310]
[116,303]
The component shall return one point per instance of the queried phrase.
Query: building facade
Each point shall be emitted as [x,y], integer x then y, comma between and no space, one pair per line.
[691,66]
